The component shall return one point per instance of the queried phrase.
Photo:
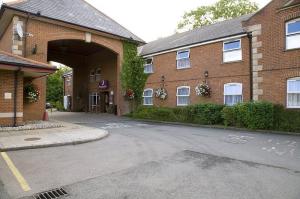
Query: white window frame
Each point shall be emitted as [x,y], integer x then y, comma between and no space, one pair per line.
[230,84]
[152,71]
[288,92]
[147,89]
[188,57]
[189,95]
[234,49]
[92,77]
[287,34]
[98,76]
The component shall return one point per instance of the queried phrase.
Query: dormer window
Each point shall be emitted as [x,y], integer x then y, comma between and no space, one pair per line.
[148,67]
[293,34]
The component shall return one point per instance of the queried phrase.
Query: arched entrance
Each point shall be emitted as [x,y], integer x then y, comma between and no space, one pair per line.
[91,64]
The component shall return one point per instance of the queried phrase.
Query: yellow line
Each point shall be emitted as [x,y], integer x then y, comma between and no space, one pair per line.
[16,172]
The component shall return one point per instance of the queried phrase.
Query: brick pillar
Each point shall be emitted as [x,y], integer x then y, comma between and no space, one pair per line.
[256,57]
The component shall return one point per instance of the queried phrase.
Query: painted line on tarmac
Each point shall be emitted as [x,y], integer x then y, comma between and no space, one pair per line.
[23,183]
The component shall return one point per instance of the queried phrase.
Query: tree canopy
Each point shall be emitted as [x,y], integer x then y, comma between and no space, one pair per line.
[221,10]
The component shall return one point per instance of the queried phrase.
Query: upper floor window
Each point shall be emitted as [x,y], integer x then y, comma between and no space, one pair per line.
[148,67]
[68,79]
[183,95]
[92,76]
[293,93]
[233,94]
[148,97]
[232,51]
[98,74]
[183,59]
[293,34]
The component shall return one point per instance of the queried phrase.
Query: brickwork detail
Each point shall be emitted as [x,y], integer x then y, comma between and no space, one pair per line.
[17,43]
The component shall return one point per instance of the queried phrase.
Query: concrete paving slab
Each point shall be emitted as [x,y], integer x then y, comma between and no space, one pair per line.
[69,135]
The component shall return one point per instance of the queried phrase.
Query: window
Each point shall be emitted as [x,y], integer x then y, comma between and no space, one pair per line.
[232,51]
[293,34]
[183,59]
[293,93]
[233,93]
[92,76]
[148,67]
[183,96]
[68,81]
[98,74]
[148,97]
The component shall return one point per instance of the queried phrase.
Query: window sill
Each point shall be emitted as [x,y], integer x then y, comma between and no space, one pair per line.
[296,107]
[232,62]
[184,68]
[290,50]
[149,73]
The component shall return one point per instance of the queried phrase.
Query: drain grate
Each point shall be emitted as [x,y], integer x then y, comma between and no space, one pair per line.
[55,193]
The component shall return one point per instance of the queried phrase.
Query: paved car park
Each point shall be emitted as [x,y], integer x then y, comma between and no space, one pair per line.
[147,160]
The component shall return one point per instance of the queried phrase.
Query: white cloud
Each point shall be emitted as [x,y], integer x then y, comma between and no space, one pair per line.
[150,19]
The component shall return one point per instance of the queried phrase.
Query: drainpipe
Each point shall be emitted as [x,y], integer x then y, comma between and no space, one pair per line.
[251,65]
[16,96]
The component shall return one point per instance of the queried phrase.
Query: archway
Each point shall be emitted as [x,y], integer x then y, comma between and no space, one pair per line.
[91,64]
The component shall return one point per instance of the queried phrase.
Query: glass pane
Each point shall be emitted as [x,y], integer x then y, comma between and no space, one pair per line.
[230,56]
[148,69]
[294,27]
[183,91]
[294,100]
[148,101]
[183,100]
[148,61]
[232,45]
[148,93]
[233,89]
[183,63]
[293,41]
[231,100]
[183,54]
[294,86]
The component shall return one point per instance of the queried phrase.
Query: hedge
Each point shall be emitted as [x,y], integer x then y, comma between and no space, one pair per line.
[251,115]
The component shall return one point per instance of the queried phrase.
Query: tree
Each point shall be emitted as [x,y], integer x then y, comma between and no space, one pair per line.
[221,10]
[133,76]
[55,85]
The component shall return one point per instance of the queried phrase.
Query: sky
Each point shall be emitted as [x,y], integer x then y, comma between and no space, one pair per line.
[150,19]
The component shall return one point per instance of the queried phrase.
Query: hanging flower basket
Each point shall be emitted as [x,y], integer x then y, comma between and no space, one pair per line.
[161,93]
[31,93]
[129,94]
[203,90]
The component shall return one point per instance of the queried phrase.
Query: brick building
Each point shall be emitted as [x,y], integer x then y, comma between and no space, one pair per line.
[73,33]
[15,72]
[253,57]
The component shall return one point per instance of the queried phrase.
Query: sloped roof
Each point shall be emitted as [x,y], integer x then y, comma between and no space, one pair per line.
[207,33]
[288,3]
[14,60]
[77,12]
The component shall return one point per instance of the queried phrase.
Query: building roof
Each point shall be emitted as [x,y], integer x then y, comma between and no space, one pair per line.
[212,32]
[14,60]
[76,12]
[289,3]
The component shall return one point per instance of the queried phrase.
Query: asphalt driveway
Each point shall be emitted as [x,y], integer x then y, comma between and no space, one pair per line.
[146,160]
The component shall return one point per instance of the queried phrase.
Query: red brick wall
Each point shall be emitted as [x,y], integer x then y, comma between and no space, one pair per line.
[203,58]
[68,88]
[7,82]
[6,40]
[278,64]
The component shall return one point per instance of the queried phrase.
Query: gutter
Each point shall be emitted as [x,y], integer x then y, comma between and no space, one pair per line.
[251,65]
[27,66]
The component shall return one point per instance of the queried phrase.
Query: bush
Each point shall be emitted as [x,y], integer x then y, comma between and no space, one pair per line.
[59,106]
[163,114]
[286,120]
[253,115]
[207,114]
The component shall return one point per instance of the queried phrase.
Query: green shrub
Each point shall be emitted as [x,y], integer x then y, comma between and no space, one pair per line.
[286,120]
[183,114]
[207,114]
[162,114]
[229,116]
[59,106]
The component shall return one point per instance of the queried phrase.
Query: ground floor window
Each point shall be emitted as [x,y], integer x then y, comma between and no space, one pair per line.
[233,93]
[293,93]
[183,95]
[148,97]
[94,102]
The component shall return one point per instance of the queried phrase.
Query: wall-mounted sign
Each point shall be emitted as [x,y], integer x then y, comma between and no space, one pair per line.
[103,84]
[7,96]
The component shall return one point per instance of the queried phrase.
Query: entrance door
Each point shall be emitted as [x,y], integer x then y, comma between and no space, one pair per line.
[94,103]
[104,101]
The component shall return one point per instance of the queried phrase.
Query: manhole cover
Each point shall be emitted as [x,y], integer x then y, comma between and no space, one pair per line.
[52,194]
[32,139]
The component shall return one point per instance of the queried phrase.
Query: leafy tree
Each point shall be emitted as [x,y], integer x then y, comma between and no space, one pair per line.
[133,76]
[55,85]
[221,10]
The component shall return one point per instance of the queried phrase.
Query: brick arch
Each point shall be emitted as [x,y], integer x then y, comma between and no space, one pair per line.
[291,74]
